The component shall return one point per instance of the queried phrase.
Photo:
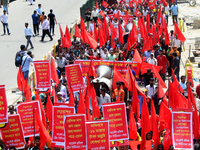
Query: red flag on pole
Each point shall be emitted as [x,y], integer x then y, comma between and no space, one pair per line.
[71,98]
[118,77]
[104,4]
[95,106]
[132,127]
[177,31]
[145,113]
[81,104]
[121,39]
[97,5]
[54,74]
[67,38]
[137,57]
[48,109]
[20,79]
[61,32]
[77,32]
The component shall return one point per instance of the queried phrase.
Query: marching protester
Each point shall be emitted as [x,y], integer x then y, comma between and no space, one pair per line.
[35,19]
[52,20]
[45,29]
[28,33]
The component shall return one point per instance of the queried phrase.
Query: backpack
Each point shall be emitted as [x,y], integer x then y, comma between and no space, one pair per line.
[18,59]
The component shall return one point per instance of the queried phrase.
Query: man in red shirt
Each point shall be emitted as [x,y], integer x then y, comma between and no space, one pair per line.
[163,62]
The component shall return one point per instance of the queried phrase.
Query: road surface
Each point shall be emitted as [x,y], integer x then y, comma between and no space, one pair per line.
[20,11]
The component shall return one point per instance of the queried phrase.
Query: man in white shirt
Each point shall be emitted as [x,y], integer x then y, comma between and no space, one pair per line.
[91,26]
[171,37]
[39,10]
[178,43]
[104,98]
[151,88]
[152,60]
[94,14]
[28,34]
[45,29]
[4,21]
[26,60]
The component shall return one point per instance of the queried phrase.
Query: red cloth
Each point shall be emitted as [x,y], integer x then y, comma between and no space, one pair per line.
[198,91]
[162,62]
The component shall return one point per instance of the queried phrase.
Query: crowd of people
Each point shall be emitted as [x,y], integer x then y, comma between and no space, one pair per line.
[149,38]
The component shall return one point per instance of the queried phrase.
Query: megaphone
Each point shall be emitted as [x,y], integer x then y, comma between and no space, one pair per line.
[104,71]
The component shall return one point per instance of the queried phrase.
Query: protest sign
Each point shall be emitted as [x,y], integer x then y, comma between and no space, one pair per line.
[59,112]
[42,74]
[74,77]
[116,114]
[75,132]
[3,105]
[130,17]
[25,111]
[120,65]
[182,130]
[13,134]
[133,145]
[98,135]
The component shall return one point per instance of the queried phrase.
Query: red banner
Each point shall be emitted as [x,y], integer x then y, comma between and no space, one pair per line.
[98,135]
[121,65]
[116,114]
[74,76]
[59,112]
[25,111]
[13,135]
[3,105]
[75,132]
[42,74]
[182,130]
[130,17]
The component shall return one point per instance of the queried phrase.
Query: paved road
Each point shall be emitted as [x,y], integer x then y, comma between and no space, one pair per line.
[20,11]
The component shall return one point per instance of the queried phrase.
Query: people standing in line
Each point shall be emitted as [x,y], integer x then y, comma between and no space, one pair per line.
[45,29]
[4,21]
[5,5]
[28,33]
[35,19]
[26,63]
[174,11]
[39,10]
[52,20]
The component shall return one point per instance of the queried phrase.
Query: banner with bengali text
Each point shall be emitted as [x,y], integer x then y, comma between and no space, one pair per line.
[75,132]
[116,114]
[120,65]
[182,130]
[98,135]
[13,135]
[59,112]
[74,77]
[3,105]
[25,111]
[42,74]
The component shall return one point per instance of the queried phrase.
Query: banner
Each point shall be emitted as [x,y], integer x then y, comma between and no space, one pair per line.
[13,135]
[130,17]
[59,112]
[116,114]
[3,105]
[42,75]
[98,135]
[74,77]
[120,65]
[25,111]
[182,130]
[75,132]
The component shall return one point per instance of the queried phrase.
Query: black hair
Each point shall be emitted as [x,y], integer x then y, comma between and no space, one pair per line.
[103,89]
[22,47]
[35,11]
[64,81]
[181,79]
[12,148]
[51,10]
[148,70]
[29,53]
[39,4]
[118,83]
[63,73]
[37,138]
[26,23]
[4,10]
[151,79]
[174,54]
[43,12]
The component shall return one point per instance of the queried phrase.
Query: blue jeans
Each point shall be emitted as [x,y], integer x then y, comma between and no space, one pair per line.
[25,74]
[5,26]
[5,8]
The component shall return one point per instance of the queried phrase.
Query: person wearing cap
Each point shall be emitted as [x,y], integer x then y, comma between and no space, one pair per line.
[151,88]
[152,60]
[118,94]
[163,62]
[59,97]
[87,17]
[104,98]
[26,60]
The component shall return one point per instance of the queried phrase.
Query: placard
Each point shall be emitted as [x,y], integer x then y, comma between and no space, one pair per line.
[42,74]
[116,114]
[98,135]
[3,105]
[25,111]
[59,112]
[182,130]
[74,77]
[13,134]
[75,132]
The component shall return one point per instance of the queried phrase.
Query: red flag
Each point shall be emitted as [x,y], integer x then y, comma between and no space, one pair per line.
[71,98]
[154,125]
[27,92]
[77,32]
[126,21]
[146,45]
[44,135]
[97,5]
[102,13]
[67,38]
[132,127]
[137,57]
[48,109]
[130,4]
[91,33]
[146,66]
[54,74]
[81,104]
[145,113]
[121,39]
[135,102]
[176,83]
[91,41]
[88,93]
[166,33]
[158,19]
[91,71]
[154,37]
[144,132]
[118,77]
[132,38]
[101,37]
[177,31]
[54,95]
[105,30]
[160,90]
[20,79]
[181,100]
[61,32]
[95,32]
[95,106]
[98,21]
[140,25]
[157,75]
[112,30]
[164,114]
[104,4]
